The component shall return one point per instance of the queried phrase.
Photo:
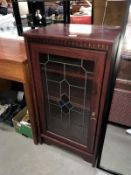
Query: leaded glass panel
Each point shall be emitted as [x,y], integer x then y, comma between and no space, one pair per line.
[68,83]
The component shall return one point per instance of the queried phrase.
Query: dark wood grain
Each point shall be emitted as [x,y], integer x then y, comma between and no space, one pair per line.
[74,32]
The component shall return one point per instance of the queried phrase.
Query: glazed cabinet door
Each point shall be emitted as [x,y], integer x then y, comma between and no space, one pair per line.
[68,94]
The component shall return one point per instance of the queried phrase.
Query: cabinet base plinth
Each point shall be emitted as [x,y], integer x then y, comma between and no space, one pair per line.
[85,155]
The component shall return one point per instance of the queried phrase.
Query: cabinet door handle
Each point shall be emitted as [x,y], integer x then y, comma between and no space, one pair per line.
[93,115]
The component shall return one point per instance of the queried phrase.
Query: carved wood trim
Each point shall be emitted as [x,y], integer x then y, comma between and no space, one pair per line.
[73,43]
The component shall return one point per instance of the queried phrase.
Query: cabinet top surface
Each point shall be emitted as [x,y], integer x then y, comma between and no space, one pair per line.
[76,32]
[12,50]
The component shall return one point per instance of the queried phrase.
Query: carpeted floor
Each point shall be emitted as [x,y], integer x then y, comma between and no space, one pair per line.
[19,156]
[117,150]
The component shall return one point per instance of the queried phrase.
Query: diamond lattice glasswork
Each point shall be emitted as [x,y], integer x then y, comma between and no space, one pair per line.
[68,86]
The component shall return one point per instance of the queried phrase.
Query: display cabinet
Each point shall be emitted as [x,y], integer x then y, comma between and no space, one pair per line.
[70,68]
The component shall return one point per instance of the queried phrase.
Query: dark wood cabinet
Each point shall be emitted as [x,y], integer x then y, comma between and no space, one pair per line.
[70,71]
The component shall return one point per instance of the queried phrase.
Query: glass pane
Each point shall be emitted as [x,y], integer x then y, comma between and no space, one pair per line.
[67,60]
[65,88]
[88,65]
[68,95]
[77,96]
[53,89]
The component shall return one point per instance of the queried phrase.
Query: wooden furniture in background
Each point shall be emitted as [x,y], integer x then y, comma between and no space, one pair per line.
[120,112]
[4,85]
[70,71]
[114,12]
[13,66]
[84,19]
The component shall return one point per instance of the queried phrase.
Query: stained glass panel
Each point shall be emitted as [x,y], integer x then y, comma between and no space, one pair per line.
[68,83]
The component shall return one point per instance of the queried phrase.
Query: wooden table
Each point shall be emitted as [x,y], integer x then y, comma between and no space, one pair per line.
[13,66]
